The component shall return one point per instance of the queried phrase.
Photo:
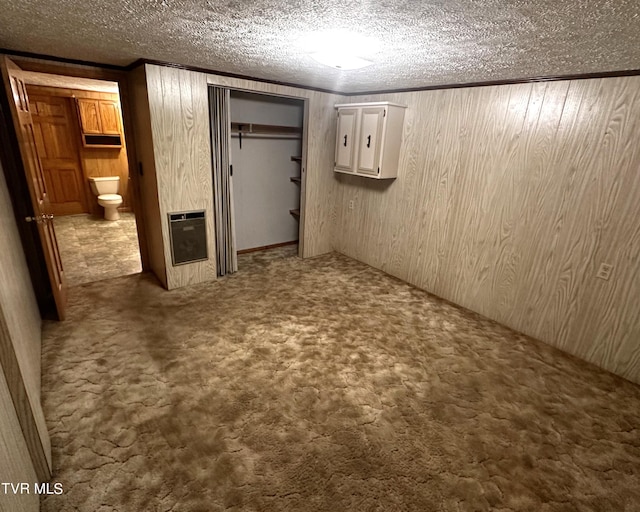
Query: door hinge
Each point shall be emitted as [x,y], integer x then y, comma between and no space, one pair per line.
[231,170]
[378,170]
[384,113]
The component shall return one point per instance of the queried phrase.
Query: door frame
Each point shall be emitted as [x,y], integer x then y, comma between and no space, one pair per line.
[304,145]
[122,79]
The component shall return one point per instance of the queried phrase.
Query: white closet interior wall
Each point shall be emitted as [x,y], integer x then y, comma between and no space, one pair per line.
[262,189]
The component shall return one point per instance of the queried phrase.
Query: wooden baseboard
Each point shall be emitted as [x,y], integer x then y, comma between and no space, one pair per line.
[265,247]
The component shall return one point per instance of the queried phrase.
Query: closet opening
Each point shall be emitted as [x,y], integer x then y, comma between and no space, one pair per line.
[266,178]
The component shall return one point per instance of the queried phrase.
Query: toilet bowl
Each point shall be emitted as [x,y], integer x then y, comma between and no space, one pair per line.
[106,189]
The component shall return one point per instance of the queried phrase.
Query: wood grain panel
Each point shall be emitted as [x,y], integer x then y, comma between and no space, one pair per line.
[110,117]
[179,114]
[58,147]
[20,332]
[507,201]
[69,82]
[14,454]
[88,112]
[147,178]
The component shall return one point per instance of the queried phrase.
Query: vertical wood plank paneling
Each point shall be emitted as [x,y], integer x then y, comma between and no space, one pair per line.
[16,464]
[148,179]
[21,324]
[507,200]
[179,113]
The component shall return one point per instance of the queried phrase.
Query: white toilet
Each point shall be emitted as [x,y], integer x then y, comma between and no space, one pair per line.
[107,191]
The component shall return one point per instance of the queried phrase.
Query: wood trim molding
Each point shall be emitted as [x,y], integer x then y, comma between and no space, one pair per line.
[76,62]
[18,391]
[487,83]
[207,71]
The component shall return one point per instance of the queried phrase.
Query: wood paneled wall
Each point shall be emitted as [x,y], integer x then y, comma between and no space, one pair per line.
[147,180]
[95,161]
[21,325]
[508,199]
[16,464]
[179,128]
[179,114]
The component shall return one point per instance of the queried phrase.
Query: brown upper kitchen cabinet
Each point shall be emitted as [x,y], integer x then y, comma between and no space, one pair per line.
[109,117]
[100,123]
[89,115]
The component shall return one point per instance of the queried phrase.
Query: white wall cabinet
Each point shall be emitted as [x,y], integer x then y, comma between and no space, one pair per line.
[368,139]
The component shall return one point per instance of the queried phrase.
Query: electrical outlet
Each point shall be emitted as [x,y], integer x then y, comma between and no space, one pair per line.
[604,271]
[351,203]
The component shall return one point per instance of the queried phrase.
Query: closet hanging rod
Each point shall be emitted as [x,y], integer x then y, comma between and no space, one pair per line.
[251,135]
[246,128]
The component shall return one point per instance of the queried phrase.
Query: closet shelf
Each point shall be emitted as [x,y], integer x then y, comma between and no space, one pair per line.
[264,129]
[295,213]
[295,179]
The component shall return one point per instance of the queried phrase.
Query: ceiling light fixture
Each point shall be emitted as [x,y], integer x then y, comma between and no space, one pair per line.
[340,61]
[339,49]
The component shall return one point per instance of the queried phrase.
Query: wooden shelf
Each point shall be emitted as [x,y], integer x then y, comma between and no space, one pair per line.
[295,179]
[264,129]
[295,213]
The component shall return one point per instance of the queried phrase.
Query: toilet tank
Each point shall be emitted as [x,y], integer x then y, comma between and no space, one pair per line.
[104,185]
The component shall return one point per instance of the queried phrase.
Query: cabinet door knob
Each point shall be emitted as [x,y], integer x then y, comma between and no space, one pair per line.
[369,141]
[345,141]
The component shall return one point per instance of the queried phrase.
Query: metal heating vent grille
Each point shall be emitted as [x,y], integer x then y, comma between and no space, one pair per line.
[188,237]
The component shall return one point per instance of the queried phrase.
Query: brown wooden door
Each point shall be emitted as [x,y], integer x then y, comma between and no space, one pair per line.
[109,117]
[19,104]
[57,143]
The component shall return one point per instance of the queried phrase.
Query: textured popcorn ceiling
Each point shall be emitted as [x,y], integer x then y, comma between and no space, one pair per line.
[420,43]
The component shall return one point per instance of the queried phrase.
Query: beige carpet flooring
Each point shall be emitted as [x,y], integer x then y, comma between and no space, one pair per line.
[323,385]
[93,249]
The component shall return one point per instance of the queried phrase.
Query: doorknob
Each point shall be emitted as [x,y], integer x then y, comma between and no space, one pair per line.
[40,218]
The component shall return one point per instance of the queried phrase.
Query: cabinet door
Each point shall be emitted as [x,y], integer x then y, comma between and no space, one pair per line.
[89,115]
[371,124]
[109,116]
[346,138]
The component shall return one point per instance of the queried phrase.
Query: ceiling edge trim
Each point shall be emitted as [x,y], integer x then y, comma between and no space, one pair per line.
[77,62]
[488,83]
[140,62]
[513,81]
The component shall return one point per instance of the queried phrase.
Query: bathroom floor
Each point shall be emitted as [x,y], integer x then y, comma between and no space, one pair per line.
[93,249]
